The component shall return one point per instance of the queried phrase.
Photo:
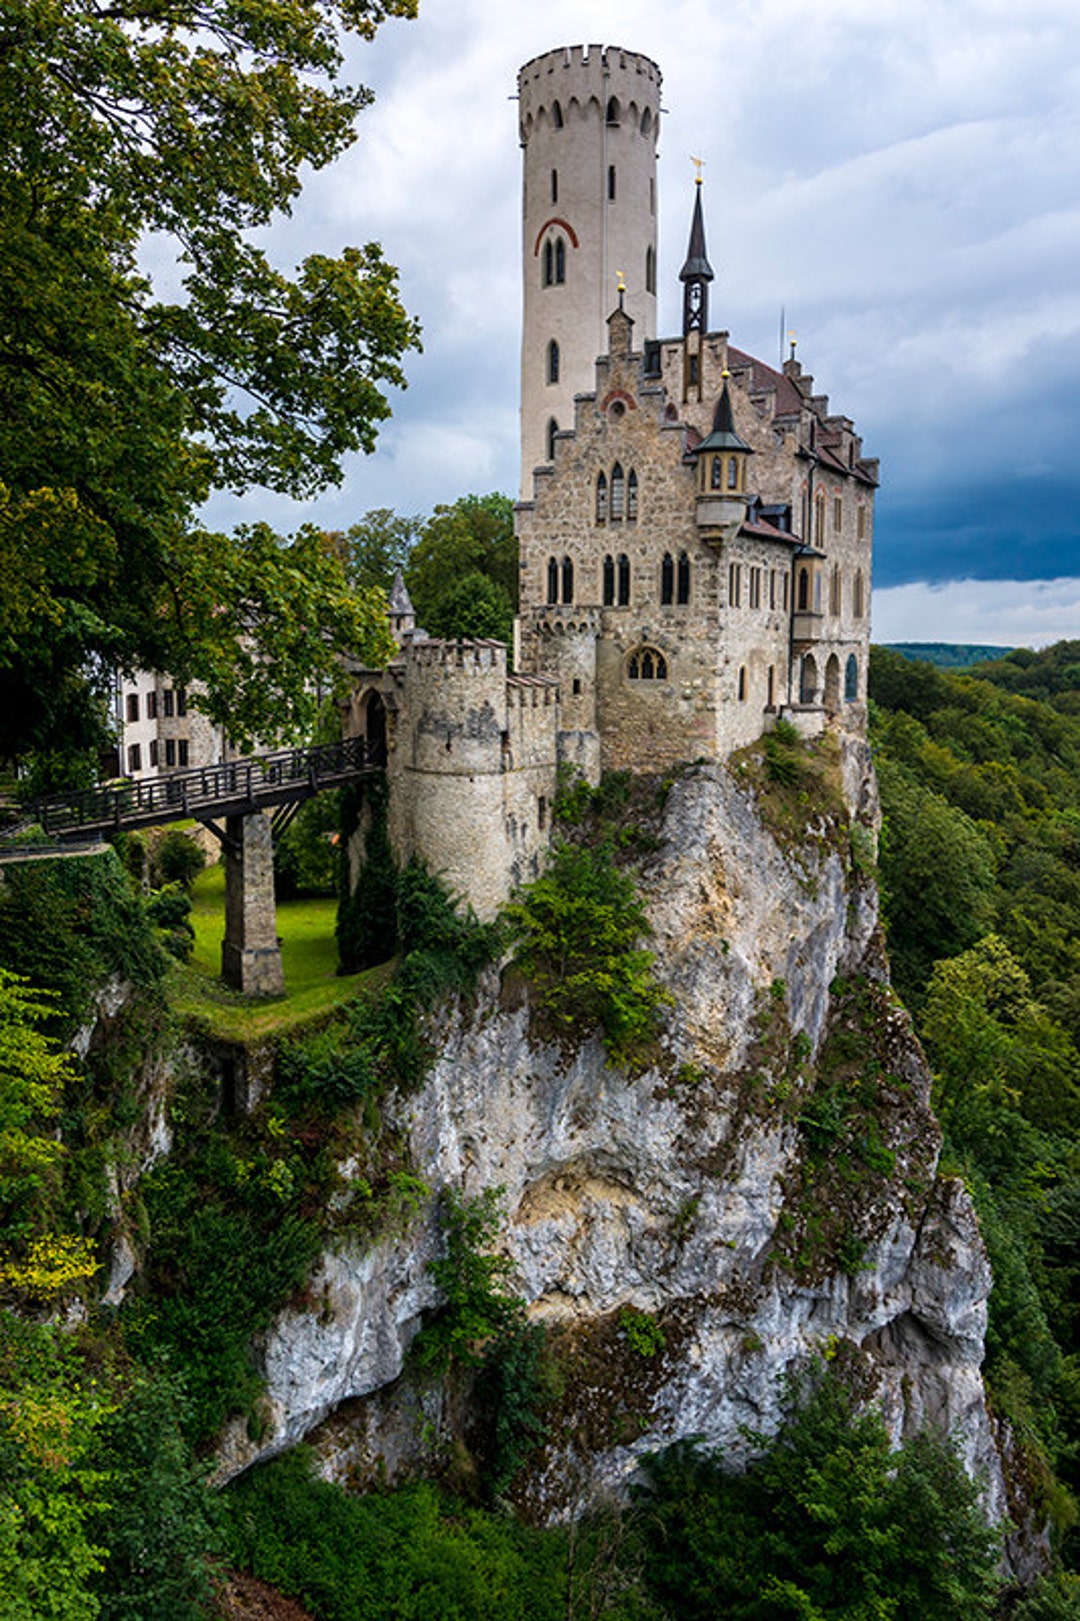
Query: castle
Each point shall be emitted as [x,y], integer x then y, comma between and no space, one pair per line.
[695,526]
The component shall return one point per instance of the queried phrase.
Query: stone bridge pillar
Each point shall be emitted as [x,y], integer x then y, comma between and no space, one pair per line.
[250,954]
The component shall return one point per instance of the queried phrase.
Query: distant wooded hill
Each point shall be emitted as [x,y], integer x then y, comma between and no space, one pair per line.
[948,655]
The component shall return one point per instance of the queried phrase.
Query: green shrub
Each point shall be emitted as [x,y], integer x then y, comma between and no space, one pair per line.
[476,1304]
[577,929]
[177,858]
[367,913]
[517,1384]
[643,1333]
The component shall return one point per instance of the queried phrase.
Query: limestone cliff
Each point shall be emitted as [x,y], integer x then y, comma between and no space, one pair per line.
[766,1189]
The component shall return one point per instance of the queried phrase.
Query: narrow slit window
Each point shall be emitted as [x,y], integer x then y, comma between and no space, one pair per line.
[601,498]
[567,580]
[667,580]
[609,581]
[560,261]
[623,570]
[552,430]
[552,580]
[617,491]
[682,594]
[611,183]
[553,362]
[631,497]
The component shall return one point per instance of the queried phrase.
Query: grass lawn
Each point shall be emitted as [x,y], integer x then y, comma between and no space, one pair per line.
[308,955]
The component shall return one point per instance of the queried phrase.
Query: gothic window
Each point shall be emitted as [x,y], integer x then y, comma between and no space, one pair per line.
[609,581]
[601,498]
[851,679]
[716,477]
[819,518]
[734,584]
[804,590]
[552,430]
[631,497]
[682,591]
[554,185]
[733,473]
[623,571]
[611,183]
[646,121]
[613,110]
[560,261]
[553,362]
[650,270]
[858,606]
[553,580]
[742,683]
[647,664]
[617,490]
[667,580]
[567,580]
[549,262]
[835,591]
[556,115]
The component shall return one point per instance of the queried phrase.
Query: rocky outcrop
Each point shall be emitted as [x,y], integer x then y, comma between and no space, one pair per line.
[766,1190]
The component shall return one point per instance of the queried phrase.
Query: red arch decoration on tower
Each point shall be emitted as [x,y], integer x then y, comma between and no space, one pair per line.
[563,225]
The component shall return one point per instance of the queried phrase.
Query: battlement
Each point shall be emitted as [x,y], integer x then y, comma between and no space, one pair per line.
[482,656]
[531,691]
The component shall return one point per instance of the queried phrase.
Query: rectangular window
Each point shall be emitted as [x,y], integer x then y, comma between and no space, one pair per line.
[151,706]
[170,751]
[755,588]
[734,584]
[611,182]
[181,701]
[772,588]
[133,706]
[862,523]
[167,703]
[153,753]
[785,593]
[182,751]
[837,514]
[134,757]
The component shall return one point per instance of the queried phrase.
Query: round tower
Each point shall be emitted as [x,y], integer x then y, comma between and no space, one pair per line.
[590,122]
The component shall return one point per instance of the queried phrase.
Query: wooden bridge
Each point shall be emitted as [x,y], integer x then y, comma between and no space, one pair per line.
[236,794]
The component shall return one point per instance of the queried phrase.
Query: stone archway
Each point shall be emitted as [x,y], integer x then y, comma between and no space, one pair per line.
[373,724]
[808,680]
[832,684]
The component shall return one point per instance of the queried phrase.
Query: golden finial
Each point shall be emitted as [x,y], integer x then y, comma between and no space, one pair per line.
[621,288]
[698,164]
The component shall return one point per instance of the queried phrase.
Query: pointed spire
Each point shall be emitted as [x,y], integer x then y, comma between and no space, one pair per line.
[723,435]
[697,266]
[400,600]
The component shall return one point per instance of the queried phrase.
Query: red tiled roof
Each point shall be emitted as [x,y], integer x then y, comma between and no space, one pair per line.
[788,399]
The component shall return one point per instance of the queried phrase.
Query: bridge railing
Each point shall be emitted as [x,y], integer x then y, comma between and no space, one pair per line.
[257,781]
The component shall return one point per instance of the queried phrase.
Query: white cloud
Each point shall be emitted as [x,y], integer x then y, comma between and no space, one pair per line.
[1000,613]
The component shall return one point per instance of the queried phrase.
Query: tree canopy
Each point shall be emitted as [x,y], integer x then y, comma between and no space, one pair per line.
[180,129]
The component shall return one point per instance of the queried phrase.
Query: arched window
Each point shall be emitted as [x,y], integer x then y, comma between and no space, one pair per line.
[553,580]
[554,185]
[835,591]
[733,473]
[859,606]
[808,680]
[623,571]
[803,599]
[667,580]
[556,115]
[819,518]
[560,261]
[613,110]
[742,683]
[601,498]
[631,497]
[549,262]
[647,664]
[646,121]
[567,580]
[609,581]
[716,476]
[650,270]
[682,594]
[617,491]
[553,362]
[552,430]
[851,679]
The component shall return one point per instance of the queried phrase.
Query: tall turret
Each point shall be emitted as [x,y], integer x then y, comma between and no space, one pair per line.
[589,123]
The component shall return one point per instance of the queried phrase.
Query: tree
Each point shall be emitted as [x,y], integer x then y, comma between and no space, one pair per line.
[120,409]
[378,546]
[829,1524]
[463,571]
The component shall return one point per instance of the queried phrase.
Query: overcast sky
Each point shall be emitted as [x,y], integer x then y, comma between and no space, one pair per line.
[899,176]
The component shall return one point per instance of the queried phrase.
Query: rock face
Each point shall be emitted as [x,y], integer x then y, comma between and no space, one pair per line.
[767,1191]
